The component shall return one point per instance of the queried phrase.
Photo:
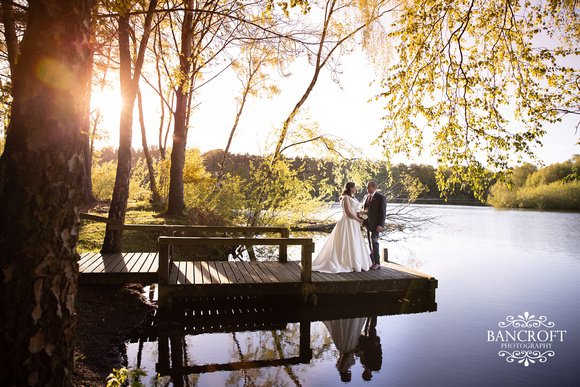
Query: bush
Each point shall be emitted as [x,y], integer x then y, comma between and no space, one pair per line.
[554,196]
[103,179]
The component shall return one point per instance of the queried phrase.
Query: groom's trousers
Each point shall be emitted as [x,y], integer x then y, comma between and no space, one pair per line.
[373,237]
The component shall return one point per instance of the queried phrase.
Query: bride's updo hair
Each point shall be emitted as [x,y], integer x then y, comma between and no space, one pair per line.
[347,190]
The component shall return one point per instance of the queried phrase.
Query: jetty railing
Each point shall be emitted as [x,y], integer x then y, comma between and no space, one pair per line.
[172,230]
[166,246]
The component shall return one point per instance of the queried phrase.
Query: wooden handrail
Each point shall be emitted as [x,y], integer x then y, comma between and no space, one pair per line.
[97,218]
[170,229]
[224,241]
[166,244]
[117,224]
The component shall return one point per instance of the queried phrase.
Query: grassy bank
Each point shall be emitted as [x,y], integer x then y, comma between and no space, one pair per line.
[92,233]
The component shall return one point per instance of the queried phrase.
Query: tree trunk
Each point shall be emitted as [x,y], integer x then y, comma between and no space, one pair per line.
[88,196]
[40,194]
[118,208]
[175,201]
[152,182]
[129,86]
[11,40]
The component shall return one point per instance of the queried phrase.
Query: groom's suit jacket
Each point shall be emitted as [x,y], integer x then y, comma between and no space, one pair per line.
[376,210]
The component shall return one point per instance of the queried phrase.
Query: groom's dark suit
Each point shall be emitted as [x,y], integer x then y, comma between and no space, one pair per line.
[376,211]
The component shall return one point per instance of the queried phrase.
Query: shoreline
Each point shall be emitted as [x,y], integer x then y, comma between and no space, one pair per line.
[105,316]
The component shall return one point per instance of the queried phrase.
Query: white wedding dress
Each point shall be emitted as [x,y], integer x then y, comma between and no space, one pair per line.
[345,249]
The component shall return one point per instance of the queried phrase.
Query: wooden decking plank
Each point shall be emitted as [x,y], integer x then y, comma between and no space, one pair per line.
[222,273]
[266,275]
[229,273]
[129,262]
[266,268]
[174,272]
[111,260]
[294,268]
[144,263]
[240,279]
[214,273]
[181,274]
[279,270]
[88,260]
[251,269]
[119,264]
[189,274]
[155,262]
[205,273]
[409,270]
[394,273]
[240,266]
[135,261]
[197,274]
[97,265]
[138,265]
[323,277]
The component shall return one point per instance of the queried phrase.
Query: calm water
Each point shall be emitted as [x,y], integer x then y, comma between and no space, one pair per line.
[491,265]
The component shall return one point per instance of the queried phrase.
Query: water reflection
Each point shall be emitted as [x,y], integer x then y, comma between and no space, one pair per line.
[269,339]
[351,339]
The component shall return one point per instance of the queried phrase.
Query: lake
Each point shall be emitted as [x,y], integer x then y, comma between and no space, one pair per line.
[508,283]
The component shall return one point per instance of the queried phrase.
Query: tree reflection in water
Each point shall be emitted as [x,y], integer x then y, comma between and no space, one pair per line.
[273,341]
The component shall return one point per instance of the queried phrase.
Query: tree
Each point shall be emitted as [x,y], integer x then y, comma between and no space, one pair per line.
[40,192]
[482,77]
[129,85]
[342,21]
[255,82]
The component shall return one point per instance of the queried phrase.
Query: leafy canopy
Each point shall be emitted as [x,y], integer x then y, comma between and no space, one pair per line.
[482,76]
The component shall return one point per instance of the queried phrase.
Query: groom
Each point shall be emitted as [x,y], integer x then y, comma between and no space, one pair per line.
[376,206]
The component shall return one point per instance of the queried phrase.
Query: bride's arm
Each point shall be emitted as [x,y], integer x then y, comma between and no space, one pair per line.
[349,211]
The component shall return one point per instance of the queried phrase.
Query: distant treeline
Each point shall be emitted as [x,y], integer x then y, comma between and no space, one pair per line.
[327,177]
[554,187]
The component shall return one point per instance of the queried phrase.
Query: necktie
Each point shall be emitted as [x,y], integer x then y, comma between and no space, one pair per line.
[369,199]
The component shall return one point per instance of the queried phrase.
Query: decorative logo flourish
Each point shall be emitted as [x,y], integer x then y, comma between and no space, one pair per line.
[526,357]
[526,321]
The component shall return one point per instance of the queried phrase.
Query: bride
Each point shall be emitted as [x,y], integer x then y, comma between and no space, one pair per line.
[345,249]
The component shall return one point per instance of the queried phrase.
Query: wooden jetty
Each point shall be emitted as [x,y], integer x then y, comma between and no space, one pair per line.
[186,278]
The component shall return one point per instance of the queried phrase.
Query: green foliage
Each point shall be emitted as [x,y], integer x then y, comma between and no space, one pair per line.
[103,179]
[467,72]
[286,200]
[550,188]
[521,173]
[122,377]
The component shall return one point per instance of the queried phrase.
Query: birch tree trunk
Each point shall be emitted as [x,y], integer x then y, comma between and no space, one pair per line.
[41,177]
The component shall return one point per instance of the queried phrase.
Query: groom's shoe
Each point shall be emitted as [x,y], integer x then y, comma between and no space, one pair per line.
[375,266]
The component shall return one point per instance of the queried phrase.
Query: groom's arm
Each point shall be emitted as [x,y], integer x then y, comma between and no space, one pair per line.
[382,213]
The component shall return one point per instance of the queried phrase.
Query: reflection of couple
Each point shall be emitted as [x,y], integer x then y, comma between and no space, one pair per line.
[345,249]
[350,341]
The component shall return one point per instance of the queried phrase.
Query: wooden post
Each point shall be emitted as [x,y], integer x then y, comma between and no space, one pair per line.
[284,233]
[163,364]
[386,254]
[305,350]
[164,257]
[306,263]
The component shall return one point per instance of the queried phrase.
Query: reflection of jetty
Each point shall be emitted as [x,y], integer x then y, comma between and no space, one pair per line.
[185,278]
[206,315]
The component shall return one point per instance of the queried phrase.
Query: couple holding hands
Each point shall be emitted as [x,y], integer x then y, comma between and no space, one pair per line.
[345,249]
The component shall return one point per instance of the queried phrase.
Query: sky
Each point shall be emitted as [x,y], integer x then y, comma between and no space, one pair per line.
[341,111]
